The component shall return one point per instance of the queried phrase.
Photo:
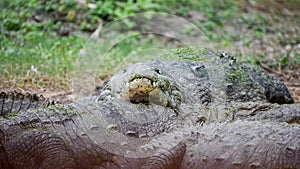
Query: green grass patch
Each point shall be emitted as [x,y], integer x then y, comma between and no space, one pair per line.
[31,31]
[37,51]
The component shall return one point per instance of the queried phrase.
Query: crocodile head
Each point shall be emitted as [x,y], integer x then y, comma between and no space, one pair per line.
[164,83]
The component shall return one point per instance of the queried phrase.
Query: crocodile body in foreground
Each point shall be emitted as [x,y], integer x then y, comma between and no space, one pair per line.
[162,114]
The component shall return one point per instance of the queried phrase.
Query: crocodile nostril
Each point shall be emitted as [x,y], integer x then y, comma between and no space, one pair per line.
[131,133]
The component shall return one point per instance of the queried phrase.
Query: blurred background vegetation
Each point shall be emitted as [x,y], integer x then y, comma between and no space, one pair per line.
[40,39]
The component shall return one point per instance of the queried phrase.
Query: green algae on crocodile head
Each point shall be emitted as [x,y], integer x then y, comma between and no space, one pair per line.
[189,53]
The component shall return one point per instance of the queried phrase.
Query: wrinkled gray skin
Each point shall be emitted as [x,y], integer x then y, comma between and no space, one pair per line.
[161,114]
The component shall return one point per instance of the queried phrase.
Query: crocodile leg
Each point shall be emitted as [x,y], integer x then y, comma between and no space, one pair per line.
[4,162]
[37,149]
[170,159]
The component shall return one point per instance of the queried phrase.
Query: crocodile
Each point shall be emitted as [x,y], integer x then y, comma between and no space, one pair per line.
[164,114]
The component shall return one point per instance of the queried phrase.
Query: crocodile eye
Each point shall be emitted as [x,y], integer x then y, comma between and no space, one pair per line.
[224,54]
[157,70]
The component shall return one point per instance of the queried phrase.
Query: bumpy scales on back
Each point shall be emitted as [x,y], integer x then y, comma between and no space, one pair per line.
[161,114]
[14,102]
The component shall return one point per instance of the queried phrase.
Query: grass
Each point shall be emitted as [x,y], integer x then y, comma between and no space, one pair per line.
[40,38]
[31,40]
[39,51]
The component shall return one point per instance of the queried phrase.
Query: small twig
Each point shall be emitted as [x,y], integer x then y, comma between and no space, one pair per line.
[89,5]
[22,90]
[96,33]
[264,66]
[63,93]
[293,84]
